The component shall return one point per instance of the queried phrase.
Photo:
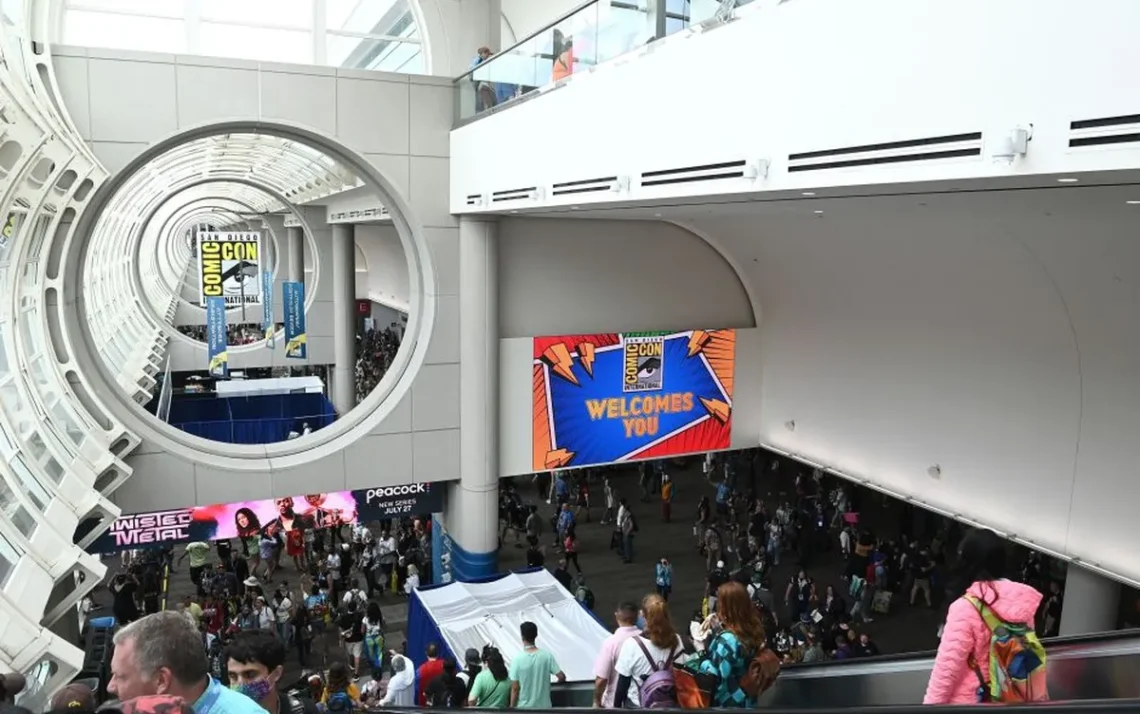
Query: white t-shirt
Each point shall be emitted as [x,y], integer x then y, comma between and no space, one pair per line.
[284,610]
[631,662]
[333,561]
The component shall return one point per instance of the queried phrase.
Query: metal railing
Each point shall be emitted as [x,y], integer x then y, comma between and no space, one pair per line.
[585,37]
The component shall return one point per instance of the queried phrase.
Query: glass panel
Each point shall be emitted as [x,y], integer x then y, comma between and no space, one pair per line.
[373,17]
[104,29]
[255,43]
[380,55]
[67,419]
[54,471]
[170,8]
[10,398]
[29,483]
[14,510]
[8,558]
[3,350]
[292,13]
[622,27]
[36,446]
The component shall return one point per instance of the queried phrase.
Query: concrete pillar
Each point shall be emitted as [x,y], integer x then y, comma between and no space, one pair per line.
[473,504]
[1092,603]
[295,239]
[344,317]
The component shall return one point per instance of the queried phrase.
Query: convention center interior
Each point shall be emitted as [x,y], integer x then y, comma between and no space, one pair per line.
[367,355]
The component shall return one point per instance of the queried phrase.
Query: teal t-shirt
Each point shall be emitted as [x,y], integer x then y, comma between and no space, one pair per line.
[533,670]
[218,699]
[490,693]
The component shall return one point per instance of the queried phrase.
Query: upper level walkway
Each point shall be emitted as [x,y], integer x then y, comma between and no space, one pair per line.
[778,97]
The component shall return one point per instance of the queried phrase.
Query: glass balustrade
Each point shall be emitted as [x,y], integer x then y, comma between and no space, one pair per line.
[575,43]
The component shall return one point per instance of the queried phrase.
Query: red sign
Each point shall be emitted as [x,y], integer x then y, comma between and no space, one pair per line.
[364,307]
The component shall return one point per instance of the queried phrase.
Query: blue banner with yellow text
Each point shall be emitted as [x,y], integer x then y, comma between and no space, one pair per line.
[216,348]
[267,309]
[296,338]
[623,396]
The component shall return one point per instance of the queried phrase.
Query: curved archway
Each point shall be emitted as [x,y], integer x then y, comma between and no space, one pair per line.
[368,414]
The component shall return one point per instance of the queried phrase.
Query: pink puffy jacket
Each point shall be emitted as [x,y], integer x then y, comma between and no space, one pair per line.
[952,681]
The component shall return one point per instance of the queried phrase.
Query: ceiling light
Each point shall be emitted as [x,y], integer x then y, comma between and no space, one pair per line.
[1133,203]
[658,215]
[809,193]
[574,208]
[819,213]
[1068,180]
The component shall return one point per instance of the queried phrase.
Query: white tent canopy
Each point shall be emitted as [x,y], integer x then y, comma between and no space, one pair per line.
[478,614]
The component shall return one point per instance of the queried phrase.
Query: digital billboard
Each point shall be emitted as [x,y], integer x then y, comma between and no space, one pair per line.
[636,395]
[247,519]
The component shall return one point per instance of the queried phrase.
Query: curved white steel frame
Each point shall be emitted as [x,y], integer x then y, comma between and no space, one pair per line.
[59,448]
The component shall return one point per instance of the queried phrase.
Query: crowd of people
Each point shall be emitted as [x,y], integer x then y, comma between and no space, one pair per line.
[375,350]
[341,573]
[247,617]
[236,335]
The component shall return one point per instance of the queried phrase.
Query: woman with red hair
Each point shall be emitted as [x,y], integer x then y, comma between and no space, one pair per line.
[730,651]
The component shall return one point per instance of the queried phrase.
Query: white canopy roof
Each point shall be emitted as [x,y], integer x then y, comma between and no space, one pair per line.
[477,614]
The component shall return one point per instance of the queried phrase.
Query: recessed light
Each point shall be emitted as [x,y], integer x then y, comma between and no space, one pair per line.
[819,213]
[514,211]
[809,193]
[574,208]
[1133,203]
[1068,180]
[656,215]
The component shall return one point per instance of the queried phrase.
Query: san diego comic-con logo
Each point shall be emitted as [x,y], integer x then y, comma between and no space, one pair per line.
[643,362]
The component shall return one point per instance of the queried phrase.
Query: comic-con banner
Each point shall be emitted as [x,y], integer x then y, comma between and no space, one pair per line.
[267,323]
[250,519]
[229,267]
[217,351]
[296,334]
[635,395]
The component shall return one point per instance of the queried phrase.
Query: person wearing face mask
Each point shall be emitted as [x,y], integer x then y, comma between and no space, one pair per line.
[256,660]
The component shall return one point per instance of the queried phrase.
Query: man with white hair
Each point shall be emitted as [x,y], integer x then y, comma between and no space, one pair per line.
[163,654]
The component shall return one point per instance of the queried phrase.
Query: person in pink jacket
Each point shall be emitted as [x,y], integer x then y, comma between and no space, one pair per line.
[982,557]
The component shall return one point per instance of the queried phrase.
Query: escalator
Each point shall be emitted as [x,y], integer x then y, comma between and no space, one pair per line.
[1090,673]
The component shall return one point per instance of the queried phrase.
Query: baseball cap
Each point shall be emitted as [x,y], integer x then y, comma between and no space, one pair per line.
[471,656]
[74,697]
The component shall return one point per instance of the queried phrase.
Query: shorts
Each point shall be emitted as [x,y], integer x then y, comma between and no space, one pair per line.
[354,649]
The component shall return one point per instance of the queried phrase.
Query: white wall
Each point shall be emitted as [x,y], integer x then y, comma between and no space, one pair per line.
[122,102]
[387,266]
[829,74]
[994,335]
[566,277]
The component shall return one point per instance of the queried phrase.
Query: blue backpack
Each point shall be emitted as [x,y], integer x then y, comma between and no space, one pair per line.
[340,703]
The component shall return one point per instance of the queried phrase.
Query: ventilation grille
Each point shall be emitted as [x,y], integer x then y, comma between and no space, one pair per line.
[475,199]
[954,146]
[693,174]
[378,212]
[569,188]
[1107,131]
[515,194]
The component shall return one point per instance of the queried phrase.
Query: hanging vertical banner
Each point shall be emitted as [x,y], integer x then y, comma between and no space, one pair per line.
[296,339]
[229,267]
[267,309]
[216,337]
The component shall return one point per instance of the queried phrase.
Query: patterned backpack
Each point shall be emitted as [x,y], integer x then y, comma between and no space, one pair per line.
[1017,661]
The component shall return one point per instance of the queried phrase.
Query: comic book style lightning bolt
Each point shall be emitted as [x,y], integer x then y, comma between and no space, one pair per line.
[558,356]
[558,458]
[717,409]
[586,357]
[697,341]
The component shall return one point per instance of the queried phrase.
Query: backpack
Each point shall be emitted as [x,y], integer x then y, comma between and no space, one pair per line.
[1017,661]
[585,596]
[339,702]
[659,689]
